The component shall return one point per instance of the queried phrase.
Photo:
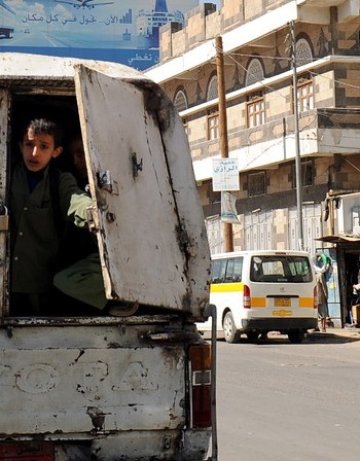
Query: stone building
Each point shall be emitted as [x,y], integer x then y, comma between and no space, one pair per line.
[257,39]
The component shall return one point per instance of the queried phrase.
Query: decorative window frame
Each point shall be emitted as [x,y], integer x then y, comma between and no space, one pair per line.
[304,52]
[212,88]
[305,94]
[255,72]
[180,100]
[255,110]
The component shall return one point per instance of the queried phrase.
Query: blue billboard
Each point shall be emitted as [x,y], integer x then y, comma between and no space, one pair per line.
[125,31]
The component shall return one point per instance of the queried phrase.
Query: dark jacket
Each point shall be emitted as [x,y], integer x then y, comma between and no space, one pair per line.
[35,226]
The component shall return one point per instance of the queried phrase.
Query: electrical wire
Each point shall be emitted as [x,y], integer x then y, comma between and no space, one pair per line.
[321,110]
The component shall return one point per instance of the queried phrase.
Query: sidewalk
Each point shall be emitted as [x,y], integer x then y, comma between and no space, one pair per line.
[348,333]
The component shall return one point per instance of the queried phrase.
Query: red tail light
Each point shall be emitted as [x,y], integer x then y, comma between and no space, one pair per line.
[33,451]
[200,392]
[246,297]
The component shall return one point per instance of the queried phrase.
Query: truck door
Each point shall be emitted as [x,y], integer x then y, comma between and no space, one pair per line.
[134,148]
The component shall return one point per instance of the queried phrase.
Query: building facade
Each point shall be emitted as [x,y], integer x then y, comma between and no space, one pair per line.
[266,132]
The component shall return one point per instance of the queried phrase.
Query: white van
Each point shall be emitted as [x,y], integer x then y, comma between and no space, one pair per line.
[260,291]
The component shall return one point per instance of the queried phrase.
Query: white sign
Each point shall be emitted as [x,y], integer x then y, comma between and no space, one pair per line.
[225,174]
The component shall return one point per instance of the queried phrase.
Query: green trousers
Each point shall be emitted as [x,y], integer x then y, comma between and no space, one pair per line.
[83,281]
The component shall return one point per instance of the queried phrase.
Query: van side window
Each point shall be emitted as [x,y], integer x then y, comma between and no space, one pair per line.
[234,270]
[218,270]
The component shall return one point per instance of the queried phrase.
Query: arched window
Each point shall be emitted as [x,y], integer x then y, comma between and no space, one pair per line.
[180,101]
[303,52]
[213,114]
[212,92]
[255,72]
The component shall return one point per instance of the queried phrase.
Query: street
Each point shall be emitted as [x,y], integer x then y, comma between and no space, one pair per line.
[278,401]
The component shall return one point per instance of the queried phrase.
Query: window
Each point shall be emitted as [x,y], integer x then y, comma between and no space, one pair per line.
[180,101]
[305,94]
[304,53]
[255,72]
[213,115]
[227,270]
[255,110]
[212,91]
[272,269]
[218,270]
[256,184]
[234,270]
[213,125]
[307,173]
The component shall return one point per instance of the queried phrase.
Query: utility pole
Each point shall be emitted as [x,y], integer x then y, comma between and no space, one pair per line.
[297,141]
[224,147]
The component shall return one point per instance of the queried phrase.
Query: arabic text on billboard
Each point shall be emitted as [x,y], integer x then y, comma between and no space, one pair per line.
[125,31]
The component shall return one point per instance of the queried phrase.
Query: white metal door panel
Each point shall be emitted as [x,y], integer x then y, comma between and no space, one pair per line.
[150,247]
[76,391]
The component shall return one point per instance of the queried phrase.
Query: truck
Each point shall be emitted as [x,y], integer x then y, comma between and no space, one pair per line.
[139,387]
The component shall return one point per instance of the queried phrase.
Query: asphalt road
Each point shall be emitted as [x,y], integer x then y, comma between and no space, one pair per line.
[286,402]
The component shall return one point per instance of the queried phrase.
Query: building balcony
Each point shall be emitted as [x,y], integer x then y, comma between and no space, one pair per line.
[322,132]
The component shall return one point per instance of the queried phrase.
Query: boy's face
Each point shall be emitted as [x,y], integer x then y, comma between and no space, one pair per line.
[78,156]
[38,149]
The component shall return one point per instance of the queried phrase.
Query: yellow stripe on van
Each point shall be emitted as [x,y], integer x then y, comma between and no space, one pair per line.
[224,287]
[306,302]
[258,301]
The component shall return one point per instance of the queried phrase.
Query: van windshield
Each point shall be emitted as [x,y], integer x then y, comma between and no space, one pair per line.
[280,268]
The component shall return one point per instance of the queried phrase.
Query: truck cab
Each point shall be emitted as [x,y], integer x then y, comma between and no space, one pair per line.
[79,387]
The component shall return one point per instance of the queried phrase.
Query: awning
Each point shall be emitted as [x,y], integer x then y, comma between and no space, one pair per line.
[341,238]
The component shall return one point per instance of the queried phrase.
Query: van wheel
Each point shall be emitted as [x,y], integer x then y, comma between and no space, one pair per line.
[296,336]
[231,334]
[252,336]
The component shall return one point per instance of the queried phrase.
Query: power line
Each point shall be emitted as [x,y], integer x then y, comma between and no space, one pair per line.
[318,74]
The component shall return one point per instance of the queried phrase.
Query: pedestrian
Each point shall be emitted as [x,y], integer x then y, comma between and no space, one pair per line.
[42,200]
[322,296]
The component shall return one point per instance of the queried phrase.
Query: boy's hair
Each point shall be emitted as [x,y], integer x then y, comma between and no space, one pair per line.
[44,126]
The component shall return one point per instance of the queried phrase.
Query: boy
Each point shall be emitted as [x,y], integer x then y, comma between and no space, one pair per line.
[41,200]
[82,280]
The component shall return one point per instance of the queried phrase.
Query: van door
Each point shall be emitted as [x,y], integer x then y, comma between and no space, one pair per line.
[129,132]
[4,124]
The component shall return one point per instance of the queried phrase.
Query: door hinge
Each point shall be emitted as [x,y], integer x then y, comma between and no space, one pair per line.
[4,218]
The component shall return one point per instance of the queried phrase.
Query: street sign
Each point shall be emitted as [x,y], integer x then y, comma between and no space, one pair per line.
[225,174]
